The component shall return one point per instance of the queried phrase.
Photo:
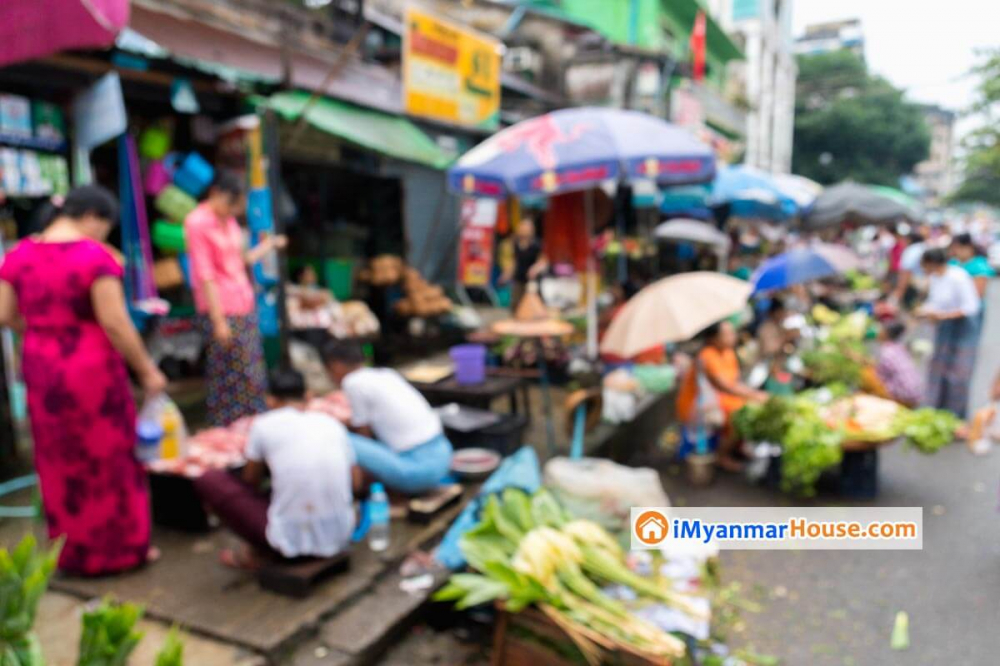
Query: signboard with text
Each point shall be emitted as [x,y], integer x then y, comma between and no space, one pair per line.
[475,244]
[450,74]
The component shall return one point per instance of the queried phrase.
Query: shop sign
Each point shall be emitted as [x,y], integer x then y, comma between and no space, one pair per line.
[746,9]
[450,73]
[475,244]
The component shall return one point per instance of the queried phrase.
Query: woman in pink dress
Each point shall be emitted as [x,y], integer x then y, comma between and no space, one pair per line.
[64,290]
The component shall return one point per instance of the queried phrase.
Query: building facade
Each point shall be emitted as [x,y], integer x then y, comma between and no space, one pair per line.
[846,35]
[764,27]
[936,176]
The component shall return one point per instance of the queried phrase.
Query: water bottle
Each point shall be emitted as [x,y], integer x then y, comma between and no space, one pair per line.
[378,516]
[148,437]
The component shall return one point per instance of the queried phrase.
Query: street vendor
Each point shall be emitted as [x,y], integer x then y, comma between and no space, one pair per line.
[529,262]
[310,511]
[397,436]
[224,299]
[953,307]
[718,364]
[895,368]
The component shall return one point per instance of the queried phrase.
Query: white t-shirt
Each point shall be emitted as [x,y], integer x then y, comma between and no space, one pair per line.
[910,259]
[395,411]
[953,291]
[310,458]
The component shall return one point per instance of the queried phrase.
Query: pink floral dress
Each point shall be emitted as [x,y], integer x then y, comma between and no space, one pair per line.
[82,412]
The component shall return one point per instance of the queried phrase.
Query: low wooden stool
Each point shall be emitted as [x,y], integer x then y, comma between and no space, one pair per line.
[298,577]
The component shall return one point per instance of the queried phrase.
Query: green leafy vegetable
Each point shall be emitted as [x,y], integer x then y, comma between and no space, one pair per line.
[24,577]
[927,430]
[109,634]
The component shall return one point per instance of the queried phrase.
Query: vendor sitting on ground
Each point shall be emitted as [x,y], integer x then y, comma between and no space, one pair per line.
[718,363]
[397,436]
[310,511]
[895,368]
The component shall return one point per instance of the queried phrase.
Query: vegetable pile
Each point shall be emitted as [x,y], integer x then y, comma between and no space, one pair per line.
[811,435]
[528,551]
[809,446]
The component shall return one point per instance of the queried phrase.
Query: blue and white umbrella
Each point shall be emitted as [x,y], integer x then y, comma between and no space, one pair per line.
[580,148]
[803,265]
[752,193]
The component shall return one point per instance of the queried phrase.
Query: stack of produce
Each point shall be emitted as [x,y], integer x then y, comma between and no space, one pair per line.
[528,551]
[422,298]
[811,435]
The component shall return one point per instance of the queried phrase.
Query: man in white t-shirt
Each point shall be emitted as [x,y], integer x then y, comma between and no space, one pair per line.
[310,511]
[397,436]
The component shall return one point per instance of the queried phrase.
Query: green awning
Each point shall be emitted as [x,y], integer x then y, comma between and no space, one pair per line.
[373,130]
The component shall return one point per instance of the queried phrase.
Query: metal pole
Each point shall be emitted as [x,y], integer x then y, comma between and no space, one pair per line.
[273,156]
[591,291]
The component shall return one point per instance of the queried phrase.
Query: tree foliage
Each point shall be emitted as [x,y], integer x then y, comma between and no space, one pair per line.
[982,146]
[852,125]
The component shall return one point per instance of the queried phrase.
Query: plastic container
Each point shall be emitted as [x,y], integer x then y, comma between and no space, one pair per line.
[470,363]
[149,434]
[168,236]
[157,178]
[174,203]
[194,175]
[378,519]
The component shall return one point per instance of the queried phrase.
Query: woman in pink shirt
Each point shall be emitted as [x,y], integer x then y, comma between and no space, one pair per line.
[224,298]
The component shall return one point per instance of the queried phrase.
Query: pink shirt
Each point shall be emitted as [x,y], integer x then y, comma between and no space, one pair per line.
[215,249]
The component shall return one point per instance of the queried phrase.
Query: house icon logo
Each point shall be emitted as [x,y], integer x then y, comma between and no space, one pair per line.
[651,527]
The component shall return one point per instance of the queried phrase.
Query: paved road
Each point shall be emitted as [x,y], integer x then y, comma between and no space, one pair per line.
[836,608]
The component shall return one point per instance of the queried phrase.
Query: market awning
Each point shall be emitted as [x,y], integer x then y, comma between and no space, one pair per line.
[376,131]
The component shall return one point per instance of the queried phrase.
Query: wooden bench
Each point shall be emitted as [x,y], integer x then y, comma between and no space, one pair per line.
[297,578]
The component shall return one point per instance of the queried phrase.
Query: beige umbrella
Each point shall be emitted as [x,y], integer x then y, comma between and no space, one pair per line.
[674,309]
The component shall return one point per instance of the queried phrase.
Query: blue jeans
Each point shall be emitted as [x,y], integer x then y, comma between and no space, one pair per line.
[413,471]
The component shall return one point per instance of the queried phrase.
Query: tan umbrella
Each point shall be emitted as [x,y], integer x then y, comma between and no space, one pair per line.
[674,309]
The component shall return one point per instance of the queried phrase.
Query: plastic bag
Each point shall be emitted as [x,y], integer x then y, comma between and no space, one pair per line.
[602,490]
[162,432]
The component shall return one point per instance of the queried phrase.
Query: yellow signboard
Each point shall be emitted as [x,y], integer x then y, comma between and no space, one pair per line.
[450,73]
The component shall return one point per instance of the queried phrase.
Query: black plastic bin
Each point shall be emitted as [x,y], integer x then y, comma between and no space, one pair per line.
[504,437]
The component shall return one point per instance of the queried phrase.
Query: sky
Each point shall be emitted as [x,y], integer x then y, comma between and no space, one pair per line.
[924,47]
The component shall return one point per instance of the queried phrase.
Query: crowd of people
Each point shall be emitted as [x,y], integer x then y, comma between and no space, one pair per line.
[62,289]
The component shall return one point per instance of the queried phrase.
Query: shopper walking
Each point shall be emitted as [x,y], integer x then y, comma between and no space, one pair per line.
[64,290]
[953,306]
[224,298]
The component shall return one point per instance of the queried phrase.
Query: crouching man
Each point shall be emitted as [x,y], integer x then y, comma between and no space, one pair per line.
[397,437]
[309,511]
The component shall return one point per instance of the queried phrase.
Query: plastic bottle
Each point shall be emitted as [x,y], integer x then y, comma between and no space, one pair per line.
[148,437]
[378,515]
[170,446]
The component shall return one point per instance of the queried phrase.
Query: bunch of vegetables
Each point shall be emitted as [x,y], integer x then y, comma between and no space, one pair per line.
[108,636]
[927,430]
[527,551]
[833,364]
[24,577]
[809,446]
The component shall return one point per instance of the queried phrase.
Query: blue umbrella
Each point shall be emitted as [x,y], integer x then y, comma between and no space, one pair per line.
[752,193]
[803,265]
[579,148]
[686,201]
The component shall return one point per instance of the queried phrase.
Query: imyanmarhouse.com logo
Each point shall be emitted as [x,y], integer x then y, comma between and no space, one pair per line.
[774,528]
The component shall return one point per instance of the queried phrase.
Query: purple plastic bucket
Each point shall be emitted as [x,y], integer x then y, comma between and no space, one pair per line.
[470,363]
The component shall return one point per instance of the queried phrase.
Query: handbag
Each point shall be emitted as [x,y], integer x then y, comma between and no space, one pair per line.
[707,410]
